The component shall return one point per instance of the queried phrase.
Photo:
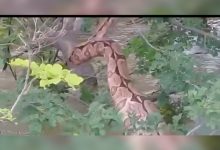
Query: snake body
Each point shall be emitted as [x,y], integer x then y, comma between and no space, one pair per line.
[125,97]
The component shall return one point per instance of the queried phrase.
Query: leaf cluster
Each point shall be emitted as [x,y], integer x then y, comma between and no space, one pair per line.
[204,102]
[162,56]
[49,74]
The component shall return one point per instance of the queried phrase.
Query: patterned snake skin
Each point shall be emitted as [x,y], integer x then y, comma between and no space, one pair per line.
[125,97]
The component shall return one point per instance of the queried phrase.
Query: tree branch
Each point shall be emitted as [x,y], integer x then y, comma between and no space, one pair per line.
[146,40]
[193,130]
[25,85]
[210,35]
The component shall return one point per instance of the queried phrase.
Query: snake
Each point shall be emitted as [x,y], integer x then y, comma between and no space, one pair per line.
[125,97]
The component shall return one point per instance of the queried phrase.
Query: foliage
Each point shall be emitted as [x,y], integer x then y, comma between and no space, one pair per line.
[160,53]
[7,99]
[5,114]
[168,63]
[86,94]
[87,25]
[5,31]
[42,107]
[177,126]
[100,118]
[148,124]
[96,121]
[204,101]
[49,74]
[47,55]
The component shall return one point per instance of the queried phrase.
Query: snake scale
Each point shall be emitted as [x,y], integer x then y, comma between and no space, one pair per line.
[125,97]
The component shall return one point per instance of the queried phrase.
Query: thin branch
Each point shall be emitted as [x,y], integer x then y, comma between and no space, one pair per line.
[193,130]
[13,72]
[145,39]
[26,78]
[49,37]
[25,44]
[20,23]
[60,34]
[55,56]
[25,85]
[5,44]
[213,132]
[29,86]
[44,24]
[77,24]
[35,28]
[51,29]
[37,51]
[196,30]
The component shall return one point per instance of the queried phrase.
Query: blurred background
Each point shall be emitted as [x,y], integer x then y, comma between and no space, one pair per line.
[106,143]
[103,7]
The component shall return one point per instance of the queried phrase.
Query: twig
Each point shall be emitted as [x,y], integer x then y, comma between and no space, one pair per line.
[212,133]
[35,29]
[25,85]
[49,37]
[44,24]
[3,44]
[196,30]
[13,73]
[26,78]
[28,88]
[77,24]
[193,130]
[55,56]
[25,44]
[56,38]
[50,30]
[145,39]
[20,23]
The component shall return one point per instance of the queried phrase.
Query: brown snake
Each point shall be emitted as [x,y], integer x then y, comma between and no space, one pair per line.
[125,97]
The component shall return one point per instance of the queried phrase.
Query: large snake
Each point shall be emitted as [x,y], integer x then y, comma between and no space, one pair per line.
[125,97]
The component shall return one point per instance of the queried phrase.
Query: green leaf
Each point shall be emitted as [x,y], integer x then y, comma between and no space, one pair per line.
[35,69]
[44,83]
[65,72]
[58,67]
[31,118]
[52,120]
[154,119]
[19,62]
[53,70]
[176,119]
[49,74]
[6,114]
[42,66]
[86,94]
[34,65]
[73,80]
[54,81]
[35,127]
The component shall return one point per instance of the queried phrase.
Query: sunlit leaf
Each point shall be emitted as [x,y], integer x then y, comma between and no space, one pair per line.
[44,83]
[20,62]
[6,114]
[54,81]
[73,80]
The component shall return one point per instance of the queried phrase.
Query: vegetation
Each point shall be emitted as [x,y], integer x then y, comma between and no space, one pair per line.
[41,94]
